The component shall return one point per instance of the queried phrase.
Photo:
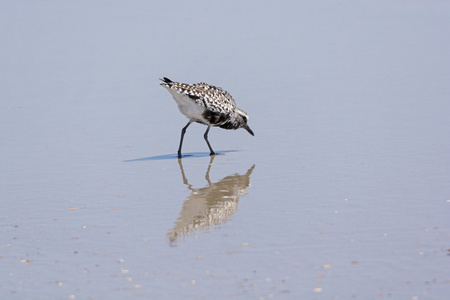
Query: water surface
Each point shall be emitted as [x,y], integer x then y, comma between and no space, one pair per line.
[342,193]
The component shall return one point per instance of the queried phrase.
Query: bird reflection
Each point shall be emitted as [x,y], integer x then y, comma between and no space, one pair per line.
[210,205]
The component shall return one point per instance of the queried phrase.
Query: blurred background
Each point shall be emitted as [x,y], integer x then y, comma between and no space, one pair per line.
[342,193]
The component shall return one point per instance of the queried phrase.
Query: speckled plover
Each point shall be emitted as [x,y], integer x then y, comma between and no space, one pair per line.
[206,104]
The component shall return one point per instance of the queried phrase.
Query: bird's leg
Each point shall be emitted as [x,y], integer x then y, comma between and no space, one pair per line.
[206,139]
[183,131]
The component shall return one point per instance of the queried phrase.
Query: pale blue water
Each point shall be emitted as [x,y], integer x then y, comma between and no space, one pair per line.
[342,193]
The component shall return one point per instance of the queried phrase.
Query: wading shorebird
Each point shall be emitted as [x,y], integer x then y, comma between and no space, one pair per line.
[206,104]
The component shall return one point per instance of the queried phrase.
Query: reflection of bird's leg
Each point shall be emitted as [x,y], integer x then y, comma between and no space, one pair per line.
[185,181]
[209,168]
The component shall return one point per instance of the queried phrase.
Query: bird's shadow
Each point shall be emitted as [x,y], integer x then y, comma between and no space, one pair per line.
[185,155]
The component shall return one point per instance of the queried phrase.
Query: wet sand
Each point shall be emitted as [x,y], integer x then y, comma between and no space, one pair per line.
[342,193]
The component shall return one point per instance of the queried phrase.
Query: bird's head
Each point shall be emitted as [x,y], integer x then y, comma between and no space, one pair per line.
[242,119]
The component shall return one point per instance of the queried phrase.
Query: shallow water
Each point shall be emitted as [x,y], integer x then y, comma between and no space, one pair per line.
[342,193]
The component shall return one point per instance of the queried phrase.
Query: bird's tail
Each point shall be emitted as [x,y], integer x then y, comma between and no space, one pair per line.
[166,80]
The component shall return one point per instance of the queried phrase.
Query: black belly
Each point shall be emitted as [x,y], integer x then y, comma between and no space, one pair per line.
[219,119]
[215,118]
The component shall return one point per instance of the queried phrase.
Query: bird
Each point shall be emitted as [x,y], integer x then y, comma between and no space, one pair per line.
[208,105]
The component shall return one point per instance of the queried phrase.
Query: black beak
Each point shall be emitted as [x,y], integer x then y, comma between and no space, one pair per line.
[249,130]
